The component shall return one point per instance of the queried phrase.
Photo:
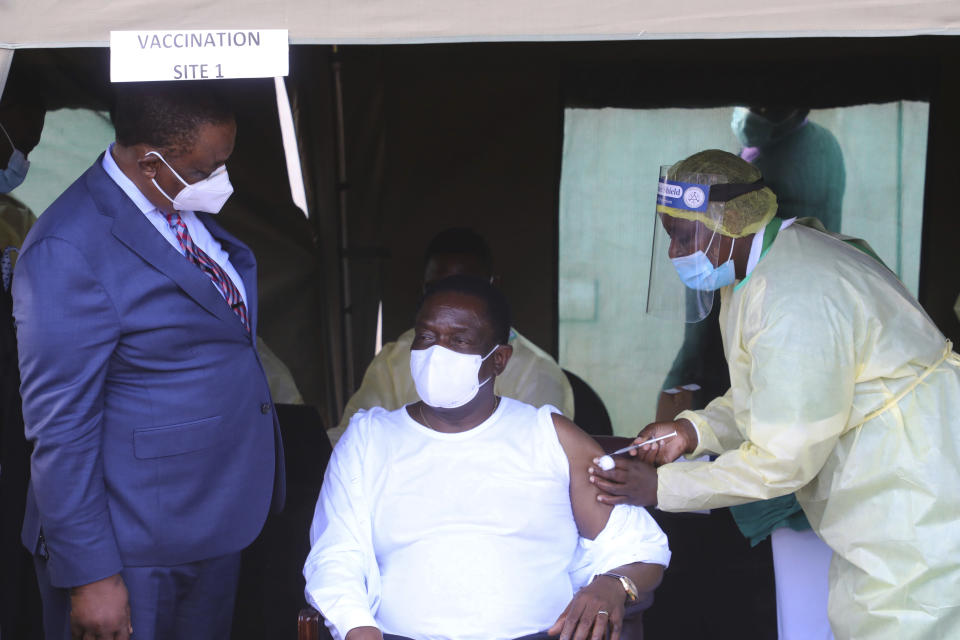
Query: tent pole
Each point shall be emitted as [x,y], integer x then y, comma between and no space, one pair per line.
[346,297]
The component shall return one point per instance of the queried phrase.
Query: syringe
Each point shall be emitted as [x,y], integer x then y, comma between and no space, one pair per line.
[606,462]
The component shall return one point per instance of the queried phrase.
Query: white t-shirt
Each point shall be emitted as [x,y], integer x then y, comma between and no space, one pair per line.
[469,535]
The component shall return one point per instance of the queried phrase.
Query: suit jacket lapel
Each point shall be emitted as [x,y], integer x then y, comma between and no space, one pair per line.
[242,259]
[133,229]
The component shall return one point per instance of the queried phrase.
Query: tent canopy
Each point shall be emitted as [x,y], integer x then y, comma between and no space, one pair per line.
[57,23]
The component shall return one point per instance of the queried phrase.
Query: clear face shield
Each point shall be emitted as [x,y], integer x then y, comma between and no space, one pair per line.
[686,266]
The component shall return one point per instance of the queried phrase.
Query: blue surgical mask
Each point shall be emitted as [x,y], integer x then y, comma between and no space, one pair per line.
[16,171]
[697,272]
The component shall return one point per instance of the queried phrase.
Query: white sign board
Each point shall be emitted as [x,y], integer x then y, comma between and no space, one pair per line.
[198,54]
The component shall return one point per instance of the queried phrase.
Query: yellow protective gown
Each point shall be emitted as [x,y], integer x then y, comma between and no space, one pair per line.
[818,339]
[531,376]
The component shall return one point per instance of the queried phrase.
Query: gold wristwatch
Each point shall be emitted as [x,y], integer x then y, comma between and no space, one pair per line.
[628,586]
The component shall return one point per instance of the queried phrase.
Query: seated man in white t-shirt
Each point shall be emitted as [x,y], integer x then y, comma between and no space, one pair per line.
[468,516]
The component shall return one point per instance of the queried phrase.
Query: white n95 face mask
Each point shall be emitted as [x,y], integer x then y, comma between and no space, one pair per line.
[207,195]
[445,378]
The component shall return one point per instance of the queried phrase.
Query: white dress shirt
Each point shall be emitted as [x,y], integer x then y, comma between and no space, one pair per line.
[198,233]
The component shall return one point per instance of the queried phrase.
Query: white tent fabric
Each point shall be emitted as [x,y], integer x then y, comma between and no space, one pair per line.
[59,23]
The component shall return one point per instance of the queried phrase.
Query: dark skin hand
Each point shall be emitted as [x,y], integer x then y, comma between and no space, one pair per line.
[658,453]
[100,610]
[364,633]
[583,617]
[634,478]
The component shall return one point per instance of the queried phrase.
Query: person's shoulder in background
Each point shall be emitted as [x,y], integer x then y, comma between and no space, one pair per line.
[534,377]
[16,218]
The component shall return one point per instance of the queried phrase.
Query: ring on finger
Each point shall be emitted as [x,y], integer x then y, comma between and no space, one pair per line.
[603,613]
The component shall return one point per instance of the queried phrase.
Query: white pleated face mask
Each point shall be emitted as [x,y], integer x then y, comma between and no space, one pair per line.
[446,378]
[207,195]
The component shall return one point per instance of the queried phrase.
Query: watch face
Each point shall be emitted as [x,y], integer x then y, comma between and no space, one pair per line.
[628,586]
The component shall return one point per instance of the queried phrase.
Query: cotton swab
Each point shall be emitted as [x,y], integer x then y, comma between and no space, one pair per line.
[606,462]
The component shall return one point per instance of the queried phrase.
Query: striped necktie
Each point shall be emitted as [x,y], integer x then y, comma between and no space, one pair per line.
[197,256]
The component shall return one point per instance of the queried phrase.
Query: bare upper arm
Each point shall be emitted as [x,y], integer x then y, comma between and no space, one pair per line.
[591,516]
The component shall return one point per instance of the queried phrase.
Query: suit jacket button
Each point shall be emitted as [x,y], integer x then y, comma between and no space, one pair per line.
[265,408]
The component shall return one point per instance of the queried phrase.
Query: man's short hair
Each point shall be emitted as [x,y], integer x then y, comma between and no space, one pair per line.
[166,115]
[497,307]
[22,89]
[460,240]
[22,109]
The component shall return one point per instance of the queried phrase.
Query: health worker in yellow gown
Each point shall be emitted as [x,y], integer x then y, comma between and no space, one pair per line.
[842,390]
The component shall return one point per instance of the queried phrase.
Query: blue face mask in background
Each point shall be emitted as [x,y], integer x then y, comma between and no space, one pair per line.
[16,171]
[752,130]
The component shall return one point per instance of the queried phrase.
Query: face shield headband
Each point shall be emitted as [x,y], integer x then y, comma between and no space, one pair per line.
[697,197]
[703,199]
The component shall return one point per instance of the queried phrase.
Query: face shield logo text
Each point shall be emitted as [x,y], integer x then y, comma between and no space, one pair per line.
[667,192]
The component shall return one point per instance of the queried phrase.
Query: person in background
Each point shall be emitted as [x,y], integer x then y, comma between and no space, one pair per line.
[157,452]
[801,161]
[467,515]
[843,391]
[22,114]
[283,387]
[533,376]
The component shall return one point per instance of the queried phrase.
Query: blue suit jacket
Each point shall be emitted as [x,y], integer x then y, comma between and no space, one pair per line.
[156,441]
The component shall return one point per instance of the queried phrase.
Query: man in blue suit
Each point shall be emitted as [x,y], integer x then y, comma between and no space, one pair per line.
[156,446]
